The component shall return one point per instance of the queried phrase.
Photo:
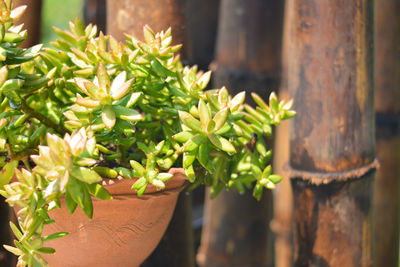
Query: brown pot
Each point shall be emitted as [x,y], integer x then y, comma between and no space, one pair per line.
[123,232]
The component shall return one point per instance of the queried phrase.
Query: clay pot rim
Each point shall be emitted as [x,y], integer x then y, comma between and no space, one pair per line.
[123,186]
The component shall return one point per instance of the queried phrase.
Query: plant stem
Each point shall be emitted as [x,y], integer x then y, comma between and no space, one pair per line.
[46,121]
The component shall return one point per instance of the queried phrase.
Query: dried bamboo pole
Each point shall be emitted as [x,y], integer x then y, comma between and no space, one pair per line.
[94,11]
[176,247]
[332,141]
[387,107]
[129,16]
[202,21]
[31,20]
[283,195]
[6,257]
[236,227]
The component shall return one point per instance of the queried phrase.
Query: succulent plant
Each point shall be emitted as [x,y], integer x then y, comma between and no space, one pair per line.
[93,107]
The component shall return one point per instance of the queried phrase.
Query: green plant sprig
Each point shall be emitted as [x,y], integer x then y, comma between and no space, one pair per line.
[93,107]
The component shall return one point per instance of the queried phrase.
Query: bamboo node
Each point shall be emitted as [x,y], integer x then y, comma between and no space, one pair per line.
[318,178]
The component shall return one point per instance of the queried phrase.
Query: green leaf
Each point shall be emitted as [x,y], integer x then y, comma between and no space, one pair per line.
[160,69]
[158,183]
[182,137]
[258,191]
[78,62]
[267,172]
[259,101]
[54,236]
[204,80]
[87,102]
[108,117]
[275,178]
[221,143]
[273,102]
[227,127]
[194,142]
[7,172]
[85,175]
[9,89]
[223,96]
[204,113]
[99,192]
[13,37]
[148,34]
[3,75]
[220,118]
[46,250]
[257,115]
[2,31]
[141,182]
[32,51]
[127,113]
[104,79]
[117,86]
[189,121]
[158,147]
[164,176]
[140,171]
[141,190]
[133,99]
[105,172]
[14,250]
[104,149]
[16,231]
[17,12]
[52,189]
[87,203]
[238,100]
[70,203]
[79,27]
[76,190]
[210,127]
[270,185]
[124,172]
[204,157]
[289,114]
[144,148]
[188,158]
[3,54]
[261,147]
[256,170]
[190,174]
[65,35]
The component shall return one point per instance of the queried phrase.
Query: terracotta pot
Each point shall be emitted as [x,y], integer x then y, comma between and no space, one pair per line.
[123,232]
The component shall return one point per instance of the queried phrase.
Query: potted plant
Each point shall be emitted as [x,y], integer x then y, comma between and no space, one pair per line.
[93,118]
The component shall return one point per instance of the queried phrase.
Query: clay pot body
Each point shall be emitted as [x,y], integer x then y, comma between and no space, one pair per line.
[123,232]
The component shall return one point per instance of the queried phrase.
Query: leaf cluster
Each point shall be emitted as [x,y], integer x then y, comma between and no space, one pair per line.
[91,107]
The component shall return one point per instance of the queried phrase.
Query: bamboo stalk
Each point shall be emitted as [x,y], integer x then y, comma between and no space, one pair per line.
[332,142]
[387,107]
[236,227]
[283,195]
[202,20]
[6,258]
[176,247]
[129,16]
[94,11]
[31,20]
